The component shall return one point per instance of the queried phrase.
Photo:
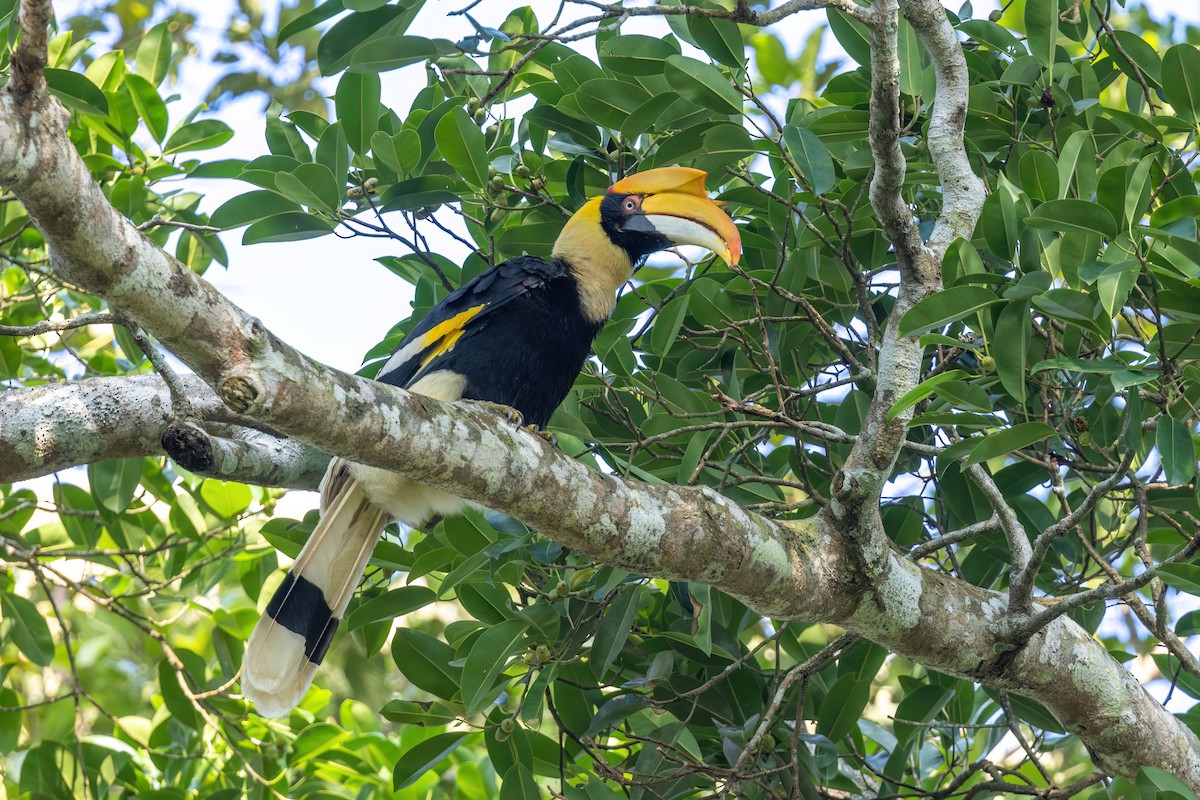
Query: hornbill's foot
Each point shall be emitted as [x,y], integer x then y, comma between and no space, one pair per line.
[507,413]
[549,436]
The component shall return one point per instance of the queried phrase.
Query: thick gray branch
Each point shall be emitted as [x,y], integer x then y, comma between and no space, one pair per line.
[962,190]
[49,428]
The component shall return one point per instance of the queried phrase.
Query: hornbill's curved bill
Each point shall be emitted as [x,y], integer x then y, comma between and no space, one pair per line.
[517,336]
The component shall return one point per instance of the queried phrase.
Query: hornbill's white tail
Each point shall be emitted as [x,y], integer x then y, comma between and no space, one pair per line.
[294,631]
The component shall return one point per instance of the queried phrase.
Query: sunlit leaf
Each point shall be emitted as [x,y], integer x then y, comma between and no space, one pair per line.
[1017,437]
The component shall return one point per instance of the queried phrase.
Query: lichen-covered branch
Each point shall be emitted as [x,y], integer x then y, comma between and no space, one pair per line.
[962,190]
[49,428]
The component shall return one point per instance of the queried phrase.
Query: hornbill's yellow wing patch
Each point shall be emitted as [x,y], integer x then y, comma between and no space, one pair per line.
[464,313]
[441,338]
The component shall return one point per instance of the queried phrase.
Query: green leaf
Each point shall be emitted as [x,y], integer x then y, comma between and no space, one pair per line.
[333,151]
[721,39]
[703,84]
[486,603]
[410,712]
[10,721]
[1031,711]
[114,482]
[910,53]
[614,710]
[1077,160]
[1115,284]
[462,144]
[310,19]
[487,661]
[919,706]
[945,307]
[76,92]
[149,105]
[407,195]
[811,156]
[203,135]
[1041,30]
[1010,348]
[389,605]
[227,499]
[614,630]
[1006,441]
[1039,175]
[852,35]
[1162,784]
[401,152]
[997,37]
[1175,448]
[27,629]
[154,54]
[1134,50]
[425,661]
[771,58]
[1073,215]
[667,324]
[518,783]
[842,707]
[289,227]
[609,101]
[312,185]
[1186,207]
[393,52]
[250,207]
[636,54]
[1184,577]
[1181,81]
[424,756]
[338,44]
[11,356]
[965,396]
[1068,305]
[357,104]
[107,71]
[921,391]
[551,119]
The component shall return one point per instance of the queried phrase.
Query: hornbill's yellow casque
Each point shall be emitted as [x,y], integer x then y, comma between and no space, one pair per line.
[517,335]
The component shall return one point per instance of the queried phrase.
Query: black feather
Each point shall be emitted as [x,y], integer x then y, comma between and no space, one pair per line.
[522,349]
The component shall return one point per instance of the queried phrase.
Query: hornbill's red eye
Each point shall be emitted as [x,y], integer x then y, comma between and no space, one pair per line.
[631,204]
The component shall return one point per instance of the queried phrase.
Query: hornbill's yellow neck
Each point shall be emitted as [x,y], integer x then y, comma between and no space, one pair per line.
[609,236]
[597,262]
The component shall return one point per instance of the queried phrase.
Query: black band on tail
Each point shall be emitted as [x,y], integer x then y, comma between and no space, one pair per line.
[299,605]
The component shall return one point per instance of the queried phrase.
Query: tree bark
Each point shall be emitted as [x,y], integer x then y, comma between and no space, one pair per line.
[60,425]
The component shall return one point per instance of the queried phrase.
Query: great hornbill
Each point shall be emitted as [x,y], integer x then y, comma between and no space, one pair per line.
[517,336]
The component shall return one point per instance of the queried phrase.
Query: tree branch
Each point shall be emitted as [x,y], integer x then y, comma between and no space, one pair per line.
[29,59]
[60,425]
[1021,591]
